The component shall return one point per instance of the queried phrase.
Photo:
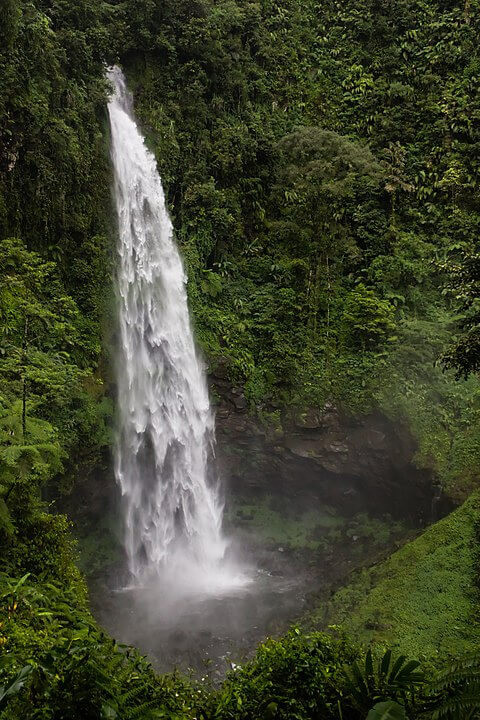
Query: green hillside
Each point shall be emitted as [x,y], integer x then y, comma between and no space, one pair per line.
[321,165]
[422,599]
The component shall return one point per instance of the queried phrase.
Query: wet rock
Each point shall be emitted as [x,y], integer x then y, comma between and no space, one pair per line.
[240,403]
[316,418]
[375,439]
[310,419]
[338,447]
[372,625]
[221,370]
[353,461]
[179,636]
[205,635]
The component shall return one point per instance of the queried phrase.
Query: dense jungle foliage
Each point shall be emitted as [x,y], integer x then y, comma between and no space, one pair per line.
[322,167]
[321,162]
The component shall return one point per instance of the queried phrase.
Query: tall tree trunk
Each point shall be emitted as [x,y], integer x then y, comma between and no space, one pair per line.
[24,378]
[24,406]
[329,292]
[315,299]
[309,303]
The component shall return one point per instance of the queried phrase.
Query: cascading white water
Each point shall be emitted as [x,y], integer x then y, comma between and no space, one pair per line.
[173,514]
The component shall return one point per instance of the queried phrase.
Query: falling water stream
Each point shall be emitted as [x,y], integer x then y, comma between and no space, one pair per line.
[172,508]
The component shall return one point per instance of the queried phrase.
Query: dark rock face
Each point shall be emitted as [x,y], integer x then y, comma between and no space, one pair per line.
[363,464]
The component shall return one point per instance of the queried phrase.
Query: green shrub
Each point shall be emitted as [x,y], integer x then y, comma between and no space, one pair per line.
[295,678]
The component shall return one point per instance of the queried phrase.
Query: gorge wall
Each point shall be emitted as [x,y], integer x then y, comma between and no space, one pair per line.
[364,464]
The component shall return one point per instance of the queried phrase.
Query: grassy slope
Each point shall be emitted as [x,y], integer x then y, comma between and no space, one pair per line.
[421,599]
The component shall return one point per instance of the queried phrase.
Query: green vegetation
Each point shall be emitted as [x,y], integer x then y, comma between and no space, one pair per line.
[423,600]
[74,670]
[296,532]
[269,522]
[321,168]
[99,546]
[54,185]
[78,672]
[321,163]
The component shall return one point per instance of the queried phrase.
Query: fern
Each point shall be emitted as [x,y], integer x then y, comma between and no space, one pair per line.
[140,711]
[460,672]
[132,694]
[456,691]
[6,524]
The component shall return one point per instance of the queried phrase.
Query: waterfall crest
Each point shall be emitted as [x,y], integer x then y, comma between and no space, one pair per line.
[173,512]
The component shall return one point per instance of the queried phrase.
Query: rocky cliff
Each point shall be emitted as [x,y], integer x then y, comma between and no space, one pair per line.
[362,464]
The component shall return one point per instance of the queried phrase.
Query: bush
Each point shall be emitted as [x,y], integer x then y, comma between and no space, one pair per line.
[295,678]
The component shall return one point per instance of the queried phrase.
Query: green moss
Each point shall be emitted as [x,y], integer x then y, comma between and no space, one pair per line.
[300,531]
[422,599]
[317,529]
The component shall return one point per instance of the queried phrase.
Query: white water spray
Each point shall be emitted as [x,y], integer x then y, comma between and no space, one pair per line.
[173,513]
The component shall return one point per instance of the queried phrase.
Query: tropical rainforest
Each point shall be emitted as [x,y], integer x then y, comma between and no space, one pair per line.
[321,165]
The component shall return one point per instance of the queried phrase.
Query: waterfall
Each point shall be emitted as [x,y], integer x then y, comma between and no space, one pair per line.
[172,510]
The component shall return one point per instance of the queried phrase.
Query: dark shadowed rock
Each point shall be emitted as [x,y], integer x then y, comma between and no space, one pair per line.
[240,403]
[338,458]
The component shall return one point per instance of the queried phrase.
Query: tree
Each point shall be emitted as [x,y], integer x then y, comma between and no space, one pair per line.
[368,319]
[37,320]
[320,174]
[9,14]
[396,180]
[464,287]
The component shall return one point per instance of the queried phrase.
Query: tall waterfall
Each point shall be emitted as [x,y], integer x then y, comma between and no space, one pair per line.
[173,513]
